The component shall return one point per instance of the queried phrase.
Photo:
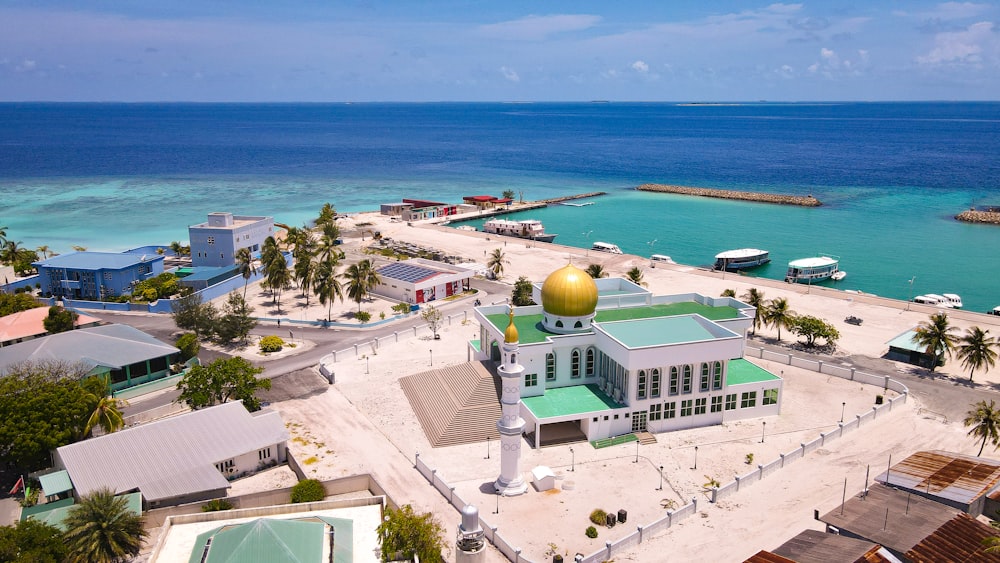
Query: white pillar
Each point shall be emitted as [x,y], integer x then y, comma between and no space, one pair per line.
[511,425]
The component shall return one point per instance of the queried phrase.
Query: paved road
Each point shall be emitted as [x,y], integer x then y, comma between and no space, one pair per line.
[327,339]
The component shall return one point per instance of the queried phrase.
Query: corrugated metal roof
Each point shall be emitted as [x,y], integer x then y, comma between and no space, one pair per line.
[113,346]
[171,457]
[947,475]
[767,557]
[263,541]
[97,260]
[959,541]
[813,546]
[55,483]
[31,323]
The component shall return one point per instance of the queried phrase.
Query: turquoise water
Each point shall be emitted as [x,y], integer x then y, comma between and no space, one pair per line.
[882,239]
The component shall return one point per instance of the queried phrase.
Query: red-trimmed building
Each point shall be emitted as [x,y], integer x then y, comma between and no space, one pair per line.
[487,201]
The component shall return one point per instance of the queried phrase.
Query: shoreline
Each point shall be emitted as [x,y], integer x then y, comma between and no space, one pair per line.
[781,199]
[979,217]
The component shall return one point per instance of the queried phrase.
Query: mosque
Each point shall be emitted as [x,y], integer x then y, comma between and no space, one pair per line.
[605,357]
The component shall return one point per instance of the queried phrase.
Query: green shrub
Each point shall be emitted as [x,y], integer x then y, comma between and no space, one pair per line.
[591,531]
[363,316]
[149,294]
[401,308]
[599,517]
[188,345]
[215,505]
[309,490]
[271,344]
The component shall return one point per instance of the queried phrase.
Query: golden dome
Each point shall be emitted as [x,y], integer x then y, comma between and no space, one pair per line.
[569,292]
[510,335]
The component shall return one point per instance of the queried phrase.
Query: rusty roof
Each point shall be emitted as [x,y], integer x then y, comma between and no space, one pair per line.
[956,477]
[893,518]
[958,540]
[767,557]
[812,546]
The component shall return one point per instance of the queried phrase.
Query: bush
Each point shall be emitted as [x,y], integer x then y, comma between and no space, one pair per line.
[215,505]
[592,531]
[271,344]
[309,490]
[188,345]
[401,308]
[599,517]
[363,316]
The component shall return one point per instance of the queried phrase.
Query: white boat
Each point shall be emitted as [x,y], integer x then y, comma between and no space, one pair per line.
[741,259]
[531,229]
[838,275]
[606,247]
[954,299]
[995,311]
[661,258]
[933,299]
[577,204]
[808,270]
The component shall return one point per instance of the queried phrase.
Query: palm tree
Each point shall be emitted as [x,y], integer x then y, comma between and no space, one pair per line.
[371,277]
[327,248]
[728,293]
[977,350]
[779,314]
[177,248]
[935,335]
[10,251]
[279,277]
[79,248]
[244,259]
[596,271]
[985,422]
[327,285]
[102,529]
[105,411]
[635,276]
[269,252]
[304,272]
[45,250]
[755,298]
[357,276]
[3,236]
[327,215]
[496,262]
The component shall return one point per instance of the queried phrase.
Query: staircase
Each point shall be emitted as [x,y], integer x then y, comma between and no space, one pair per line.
[455,405]
[645,438]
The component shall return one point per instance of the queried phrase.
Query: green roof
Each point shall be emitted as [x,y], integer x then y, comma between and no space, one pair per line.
[742,371]
[530,331]
[343,540]
[906,342]
[657,331]
[54,513]
[562,401]
[55,483]
[262,541]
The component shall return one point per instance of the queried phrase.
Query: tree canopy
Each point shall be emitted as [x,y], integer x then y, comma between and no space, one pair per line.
[406,533]
[59,320]
[102,529]
[521,295]
[190,313]
[225,379]
[45,406]
[236,321]
[984,418]
[433,319]
[811,328]
[11,303]
[937,337]
[31,541]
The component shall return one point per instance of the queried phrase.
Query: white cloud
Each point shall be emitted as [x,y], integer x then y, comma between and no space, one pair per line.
[959,47]
[509,74]
[26,65]
[956,11]
[640,66]
[537,28]
[813,68]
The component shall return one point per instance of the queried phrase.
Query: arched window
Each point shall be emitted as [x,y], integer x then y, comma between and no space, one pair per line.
[686,383]
[559,324]
[717,378]
[513,359]
[654,390]
[640,392]
[574,363]
[704,377]
[578,324]
[550,367]
[591,355]
[674,380]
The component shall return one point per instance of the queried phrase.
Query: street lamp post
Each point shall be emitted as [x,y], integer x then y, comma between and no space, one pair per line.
[367,361]
[487,446]
[498,503]
[695,458]
[572,466]
[762,429]
[432,356]
[636,452]
[909,296]
[843,408]
[661,479]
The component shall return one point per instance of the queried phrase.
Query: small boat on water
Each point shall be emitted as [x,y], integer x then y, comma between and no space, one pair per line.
[838,275]
[808,270]
[531,229]
[577,204]
[946,301]
[954,299]
[606,247]
[741,259]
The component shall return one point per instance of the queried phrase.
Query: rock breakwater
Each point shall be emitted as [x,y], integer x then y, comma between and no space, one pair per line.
[973,216]
[782,199]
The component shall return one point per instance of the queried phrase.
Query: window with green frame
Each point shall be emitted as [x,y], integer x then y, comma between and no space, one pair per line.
[530,379]
[674,380]
[591,356]
[671,409]
[717,377]
[640,392]
[731,401]
[770,397]
[699,405]
[686,407]
[655,384]
[704,377]
[748,400]
[686,387]
[550,367]
[574,363]
[717,403]
[655,411]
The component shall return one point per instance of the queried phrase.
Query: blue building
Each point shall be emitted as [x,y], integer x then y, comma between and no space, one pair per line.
[95,275]
[215,242]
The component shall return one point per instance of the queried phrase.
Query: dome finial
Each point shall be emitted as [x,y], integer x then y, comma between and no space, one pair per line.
[510,335]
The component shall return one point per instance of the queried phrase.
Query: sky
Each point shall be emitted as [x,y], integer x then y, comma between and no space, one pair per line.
[488,50]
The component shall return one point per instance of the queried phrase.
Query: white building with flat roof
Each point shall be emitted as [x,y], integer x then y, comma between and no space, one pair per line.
[215,242]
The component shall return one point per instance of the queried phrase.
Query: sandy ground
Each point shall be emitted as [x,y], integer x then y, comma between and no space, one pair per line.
[364,424]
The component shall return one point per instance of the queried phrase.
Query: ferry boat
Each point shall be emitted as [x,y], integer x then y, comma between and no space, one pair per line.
[530,229]
[741,259]
[808,270]
[954,299]
[606,247]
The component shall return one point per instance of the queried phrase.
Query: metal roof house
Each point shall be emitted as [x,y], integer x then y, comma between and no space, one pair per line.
[28,325]
[95,275]
[126,354]
[959,481]
[215,242]
[183,459]
[419,280]
[904,348]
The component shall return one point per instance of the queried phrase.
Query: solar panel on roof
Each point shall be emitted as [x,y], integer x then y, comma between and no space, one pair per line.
[406,272]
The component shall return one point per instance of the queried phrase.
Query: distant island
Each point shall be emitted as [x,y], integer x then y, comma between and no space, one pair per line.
[974,216]
[804,201]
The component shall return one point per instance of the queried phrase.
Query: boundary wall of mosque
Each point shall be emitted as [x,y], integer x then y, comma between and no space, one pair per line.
[641,533]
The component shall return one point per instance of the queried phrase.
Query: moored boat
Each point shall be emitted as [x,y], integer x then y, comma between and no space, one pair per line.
[954,299]
[741,259]
[606,247]
[838,275]
[808,270]
[531,229]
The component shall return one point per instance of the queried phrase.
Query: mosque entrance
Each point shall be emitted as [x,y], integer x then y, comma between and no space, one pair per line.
[639,421]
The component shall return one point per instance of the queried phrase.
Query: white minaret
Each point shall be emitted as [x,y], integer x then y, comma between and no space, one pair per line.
[511,425]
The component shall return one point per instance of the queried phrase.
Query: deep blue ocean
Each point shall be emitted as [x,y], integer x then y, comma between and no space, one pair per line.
[891,175]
